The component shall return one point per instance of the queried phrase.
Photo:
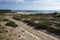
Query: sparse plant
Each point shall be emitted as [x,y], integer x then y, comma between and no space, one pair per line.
[11,23]
[41,26]
[5,20]
[17,18]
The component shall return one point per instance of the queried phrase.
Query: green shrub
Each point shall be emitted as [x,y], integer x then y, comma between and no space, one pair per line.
[11,23]
[54,30]
[25,21]
[5,20]
[57,25]
[30,22]
[41,26]
[0,25]
[58,15]
[17,18]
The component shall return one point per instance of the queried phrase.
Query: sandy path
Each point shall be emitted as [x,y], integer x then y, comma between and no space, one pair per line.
[38,35]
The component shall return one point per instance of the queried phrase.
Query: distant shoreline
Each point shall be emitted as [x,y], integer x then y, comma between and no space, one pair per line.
[38,11]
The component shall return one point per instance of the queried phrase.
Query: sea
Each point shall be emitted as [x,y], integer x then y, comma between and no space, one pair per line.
[38,11]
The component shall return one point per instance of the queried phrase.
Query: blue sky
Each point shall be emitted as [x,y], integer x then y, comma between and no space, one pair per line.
[30,4]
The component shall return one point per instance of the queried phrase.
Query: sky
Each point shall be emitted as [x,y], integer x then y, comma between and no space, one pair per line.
[30,4]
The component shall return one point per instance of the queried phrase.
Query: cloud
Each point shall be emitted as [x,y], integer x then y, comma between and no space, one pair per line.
[12,0]
[32,1]
[43,1]
[36,1]
[47,2]
[50,2]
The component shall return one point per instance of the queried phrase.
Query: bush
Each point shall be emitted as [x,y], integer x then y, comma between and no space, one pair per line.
[17,18]
[5,20]
[57,25]
[30,22]
[41,26]
[58,15]
[26,21]
[11,23]
[54,30]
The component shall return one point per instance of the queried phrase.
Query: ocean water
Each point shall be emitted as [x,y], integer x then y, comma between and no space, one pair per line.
[39,11]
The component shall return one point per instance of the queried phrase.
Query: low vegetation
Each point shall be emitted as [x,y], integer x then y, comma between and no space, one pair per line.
[43,21]
[5,11]
[30,22]
[40,26]
[12,24]
[54,30]
[17,18]
[5,20]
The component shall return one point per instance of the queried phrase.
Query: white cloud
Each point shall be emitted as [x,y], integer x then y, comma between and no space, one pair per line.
[12,0]
[43,1]
[48,2]
[37,1]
